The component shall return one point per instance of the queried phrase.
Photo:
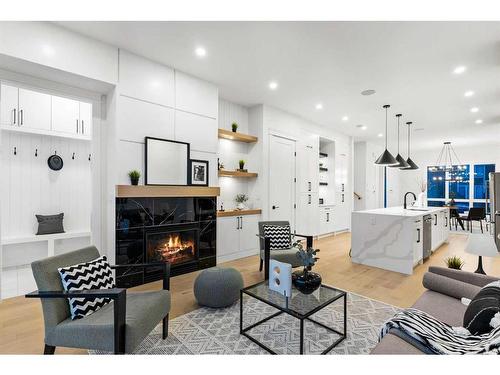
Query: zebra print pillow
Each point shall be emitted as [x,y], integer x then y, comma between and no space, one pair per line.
[482,309]
[279,235]
[95,274]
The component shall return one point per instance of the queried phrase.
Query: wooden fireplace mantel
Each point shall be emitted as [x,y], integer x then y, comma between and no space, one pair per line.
[131,191]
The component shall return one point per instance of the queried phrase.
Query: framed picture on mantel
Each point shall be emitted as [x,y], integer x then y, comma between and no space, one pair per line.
[167,162]
[198,175]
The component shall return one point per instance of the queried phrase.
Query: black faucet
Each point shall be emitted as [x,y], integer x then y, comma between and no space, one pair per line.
[414,198]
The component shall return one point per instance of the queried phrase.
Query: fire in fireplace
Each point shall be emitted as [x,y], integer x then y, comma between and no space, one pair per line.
[174,247]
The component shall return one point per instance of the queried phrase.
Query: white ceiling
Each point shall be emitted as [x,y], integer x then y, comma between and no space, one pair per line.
[409,64]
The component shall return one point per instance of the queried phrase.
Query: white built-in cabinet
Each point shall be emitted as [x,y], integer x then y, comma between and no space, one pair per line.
[418,247]
[440,228]
[326,220]
[237,237]
[342,186]
[31,111]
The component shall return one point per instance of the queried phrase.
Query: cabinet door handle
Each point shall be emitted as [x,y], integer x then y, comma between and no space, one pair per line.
[446,221]
[435,219]
[309,186]
[237,222]
[14,116]
[83,127]
[327,217]
[309,199]
[418,235]
[343,187]
[21,117]
[275,207]
[241,222]
[342,198]
[77,126]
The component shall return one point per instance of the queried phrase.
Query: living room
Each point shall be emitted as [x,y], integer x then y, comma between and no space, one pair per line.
[185,187]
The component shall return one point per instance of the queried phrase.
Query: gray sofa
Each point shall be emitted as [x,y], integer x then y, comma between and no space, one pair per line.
[442,299]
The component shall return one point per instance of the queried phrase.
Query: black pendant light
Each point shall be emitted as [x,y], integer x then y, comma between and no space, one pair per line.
[410,162]
[401,161]
[386,158]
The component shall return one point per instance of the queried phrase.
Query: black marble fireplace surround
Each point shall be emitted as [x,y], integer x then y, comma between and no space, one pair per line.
[150,230]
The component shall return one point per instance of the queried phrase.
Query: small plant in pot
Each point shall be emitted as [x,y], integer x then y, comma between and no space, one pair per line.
[134,177]
[454,262]
[234,127]
[242,165]
[306,281]
[240,201]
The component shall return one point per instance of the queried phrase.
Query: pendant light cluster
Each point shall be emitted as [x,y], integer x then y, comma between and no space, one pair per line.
[386,159]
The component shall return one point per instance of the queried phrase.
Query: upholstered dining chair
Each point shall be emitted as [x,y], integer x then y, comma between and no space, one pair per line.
[287,254]
[117,327]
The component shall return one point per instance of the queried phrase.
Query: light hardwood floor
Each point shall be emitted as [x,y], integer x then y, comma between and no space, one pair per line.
[21,322]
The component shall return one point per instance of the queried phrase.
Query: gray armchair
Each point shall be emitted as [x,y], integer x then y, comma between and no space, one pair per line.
[118,327]
[282,255]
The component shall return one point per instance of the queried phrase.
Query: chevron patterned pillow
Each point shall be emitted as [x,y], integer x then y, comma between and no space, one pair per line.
[95,274]
[280,236]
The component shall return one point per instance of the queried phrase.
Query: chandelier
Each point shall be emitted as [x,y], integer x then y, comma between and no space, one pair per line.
[449,163]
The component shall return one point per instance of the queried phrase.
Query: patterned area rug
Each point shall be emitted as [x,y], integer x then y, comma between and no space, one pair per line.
[216,331]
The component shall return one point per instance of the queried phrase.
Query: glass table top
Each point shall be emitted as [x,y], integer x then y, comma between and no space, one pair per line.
[299,303]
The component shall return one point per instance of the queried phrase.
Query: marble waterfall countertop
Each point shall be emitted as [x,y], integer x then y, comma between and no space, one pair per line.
[400,211]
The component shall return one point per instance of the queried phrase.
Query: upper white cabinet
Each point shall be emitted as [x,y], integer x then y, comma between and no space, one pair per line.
[199,131]
[9,97]
[72,117]
[143,79]
[137,119]
[196,96]
[308,164]
[65,115]
[31,111]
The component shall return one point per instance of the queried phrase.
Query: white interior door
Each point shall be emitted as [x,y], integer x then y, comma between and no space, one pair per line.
[281,179]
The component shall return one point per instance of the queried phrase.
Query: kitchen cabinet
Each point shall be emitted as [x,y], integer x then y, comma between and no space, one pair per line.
[440,228]
[418,248]
[86,119]
[9,111]
[71,117]
[307,214]
[343,193]
[237,237]
[326,220]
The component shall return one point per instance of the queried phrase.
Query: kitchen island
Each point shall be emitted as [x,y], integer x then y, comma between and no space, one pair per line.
[393,238]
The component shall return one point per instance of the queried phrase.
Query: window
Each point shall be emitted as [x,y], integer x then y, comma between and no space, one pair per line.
[436,185]
[435,203]
[481,179]
[460,190]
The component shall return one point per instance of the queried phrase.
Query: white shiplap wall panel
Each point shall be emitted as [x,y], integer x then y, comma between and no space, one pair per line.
[231,112]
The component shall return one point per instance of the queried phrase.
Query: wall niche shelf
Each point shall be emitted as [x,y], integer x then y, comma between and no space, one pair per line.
[239,137]
[226,213]
[225,173]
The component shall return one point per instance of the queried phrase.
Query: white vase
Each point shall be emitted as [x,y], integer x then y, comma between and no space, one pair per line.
[421,200]
[241,206]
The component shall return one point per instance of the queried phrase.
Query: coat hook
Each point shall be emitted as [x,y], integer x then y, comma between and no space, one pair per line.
[73,157]
[15,150]
[36,152]
[55,152]
[89,157]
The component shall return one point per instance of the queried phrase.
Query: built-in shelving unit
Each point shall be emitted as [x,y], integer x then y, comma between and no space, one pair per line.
[326,172]
[240,174]
[234,136]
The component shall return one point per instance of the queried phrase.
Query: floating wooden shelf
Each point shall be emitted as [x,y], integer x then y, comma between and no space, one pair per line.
[224,173]
[240,137]
[131,191]
[226,213]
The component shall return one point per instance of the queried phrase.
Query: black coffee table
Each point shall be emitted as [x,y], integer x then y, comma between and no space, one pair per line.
[299,305]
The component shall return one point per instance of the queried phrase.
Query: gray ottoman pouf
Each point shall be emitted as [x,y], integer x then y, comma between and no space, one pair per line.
[218,287]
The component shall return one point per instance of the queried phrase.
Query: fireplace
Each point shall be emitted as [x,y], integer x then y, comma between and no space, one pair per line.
[181,231]
[172,245]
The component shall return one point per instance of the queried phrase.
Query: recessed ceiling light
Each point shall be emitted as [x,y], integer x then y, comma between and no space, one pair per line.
[459,69]
[362,127]
[368,92]
[273,85]
[469,93]
[200,52]
[345,118]
[479,121]
[319,106]
[474,109]
[380,135]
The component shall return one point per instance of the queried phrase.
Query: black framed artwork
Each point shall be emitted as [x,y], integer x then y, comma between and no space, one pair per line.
[198,172]
[167,162]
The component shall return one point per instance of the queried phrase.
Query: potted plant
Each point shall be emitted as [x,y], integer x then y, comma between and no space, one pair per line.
[242,165]
[240,200]
[234,127]
[306,281]
[134,177]
[454,262]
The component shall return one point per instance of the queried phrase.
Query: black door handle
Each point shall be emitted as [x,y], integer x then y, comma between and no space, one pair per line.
[275,207]
[436,219]
[418,233]
[241,222]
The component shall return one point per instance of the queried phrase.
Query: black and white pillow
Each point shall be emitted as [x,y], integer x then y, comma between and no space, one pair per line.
[279,235]
[480,317]
[96,274]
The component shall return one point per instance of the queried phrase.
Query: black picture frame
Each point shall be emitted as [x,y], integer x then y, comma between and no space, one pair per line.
[193,162]
[188,154]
